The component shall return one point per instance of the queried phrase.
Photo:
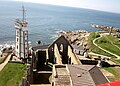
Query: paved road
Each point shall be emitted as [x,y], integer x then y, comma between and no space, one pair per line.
[5,62]
[108,61]
[104,49]
[95,54]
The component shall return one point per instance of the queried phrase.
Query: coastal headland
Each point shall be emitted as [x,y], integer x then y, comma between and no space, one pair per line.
[99,44]
[90,42]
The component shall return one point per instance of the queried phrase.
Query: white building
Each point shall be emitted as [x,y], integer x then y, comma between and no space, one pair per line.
[21,38]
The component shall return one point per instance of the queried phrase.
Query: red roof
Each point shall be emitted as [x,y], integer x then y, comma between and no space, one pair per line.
[116,83]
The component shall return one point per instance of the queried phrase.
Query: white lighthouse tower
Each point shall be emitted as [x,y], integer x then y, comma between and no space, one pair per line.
[21,38]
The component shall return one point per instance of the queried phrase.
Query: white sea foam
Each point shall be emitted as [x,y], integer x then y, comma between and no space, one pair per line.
[80,30]
[7,44]
[59,31]
[56,34]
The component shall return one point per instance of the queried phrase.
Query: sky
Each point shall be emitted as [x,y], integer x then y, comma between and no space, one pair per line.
[103,5]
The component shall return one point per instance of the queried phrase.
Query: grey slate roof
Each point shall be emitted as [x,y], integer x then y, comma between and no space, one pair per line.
[78,47]
[40,47]
[80,75]
[86,75]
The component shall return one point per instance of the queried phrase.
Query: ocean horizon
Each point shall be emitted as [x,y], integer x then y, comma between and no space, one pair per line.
[46,21]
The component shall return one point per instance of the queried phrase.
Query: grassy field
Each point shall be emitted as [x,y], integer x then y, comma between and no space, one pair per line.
[12,74]
[114,40]
[106,43]
[93,48]
[117,61]
[114,71]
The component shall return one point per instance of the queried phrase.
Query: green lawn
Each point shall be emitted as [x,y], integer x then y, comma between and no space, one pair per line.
[114,71]
[93,48]
[114,40]
[117,61]
[12,74]
[106,43]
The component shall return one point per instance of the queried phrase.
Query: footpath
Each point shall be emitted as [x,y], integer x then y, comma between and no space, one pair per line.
[2,65]
[104,49]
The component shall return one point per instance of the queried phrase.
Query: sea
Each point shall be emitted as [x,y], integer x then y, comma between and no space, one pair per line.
[45,22]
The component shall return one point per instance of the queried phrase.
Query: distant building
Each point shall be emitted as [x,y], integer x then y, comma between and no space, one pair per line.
[117,35]
[21,46]
[79,50]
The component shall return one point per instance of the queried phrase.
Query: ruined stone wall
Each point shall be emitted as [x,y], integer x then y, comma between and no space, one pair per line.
[74,59]
[57,55]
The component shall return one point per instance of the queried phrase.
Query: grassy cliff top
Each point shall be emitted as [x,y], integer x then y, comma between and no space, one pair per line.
[12,74]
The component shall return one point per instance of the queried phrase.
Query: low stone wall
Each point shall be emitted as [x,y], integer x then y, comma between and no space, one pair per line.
[57,55]
[95,62]
[89,62]
[24,82]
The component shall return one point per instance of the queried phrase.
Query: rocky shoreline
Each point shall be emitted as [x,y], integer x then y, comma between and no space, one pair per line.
[78,38]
